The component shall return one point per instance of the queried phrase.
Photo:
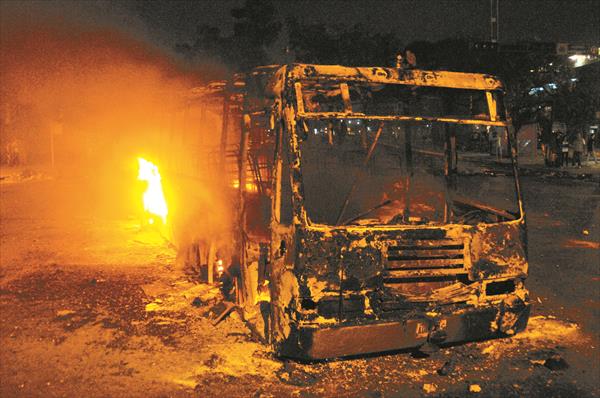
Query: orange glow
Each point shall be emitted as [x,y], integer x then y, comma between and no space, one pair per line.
[220,268]
[581,244]
[154,198]
[250,187]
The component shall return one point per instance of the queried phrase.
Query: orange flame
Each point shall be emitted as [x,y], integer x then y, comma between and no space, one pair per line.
[154,198]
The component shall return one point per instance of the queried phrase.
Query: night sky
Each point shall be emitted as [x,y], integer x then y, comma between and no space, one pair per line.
[572,20]
[167,22]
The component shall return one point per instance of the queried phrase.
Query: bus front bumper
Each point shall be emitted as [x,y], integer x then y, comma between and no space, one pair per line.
[314,342]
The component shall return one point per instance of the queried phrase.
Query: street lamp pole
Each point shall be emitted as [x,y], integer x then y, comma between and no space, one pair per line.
[494,20]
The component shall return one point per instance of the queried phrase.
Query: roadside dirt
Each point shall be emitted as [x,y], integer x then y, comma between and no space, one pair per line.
[93,305]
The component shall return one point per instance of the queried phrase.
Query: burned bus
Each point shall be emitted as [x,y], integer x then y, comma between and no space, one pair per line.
[366,220]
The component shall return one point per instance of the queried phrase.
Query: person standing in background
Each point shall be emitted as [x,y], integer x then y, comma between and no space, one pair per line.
[578,148]
[590,147]
[564,150]
[546,138]
[498,145]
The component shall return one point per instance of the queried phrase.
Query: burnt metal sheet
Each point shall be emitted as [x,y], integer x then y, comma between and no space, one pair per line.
[415,77]
[338,341]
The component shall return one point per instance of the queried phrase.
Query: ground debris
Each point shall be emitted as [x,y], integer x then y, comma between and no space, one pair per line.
[152,307]
[179,296]
[64,314]
[192,384]
[292,373]
[475,388]
[556,362]
[109,290]
[429,388]
[213,361]
[447,368]
[220,311]
[197,302]
[547,328]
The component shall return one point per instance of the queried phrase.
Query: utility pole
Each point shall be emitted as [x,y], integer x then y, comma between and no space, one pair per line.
[494,20]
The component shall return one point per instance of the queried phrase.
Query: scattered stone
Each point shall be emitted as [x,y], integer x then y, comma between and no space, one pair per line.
[188,383]
[197,302]
[475,388]
[292,374]
[152,307]
[213,361]
[429,388]
[59,340]
[556,362]
[258,393]
[447,368]
[64,314]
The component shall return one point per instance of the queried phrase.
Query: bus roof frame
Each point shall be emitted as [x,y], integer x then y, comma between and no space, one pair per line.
[413,77]
[299,73]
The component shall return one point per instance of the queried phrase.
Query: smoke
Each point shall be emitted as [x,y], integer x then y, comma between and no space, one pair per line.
[89,99]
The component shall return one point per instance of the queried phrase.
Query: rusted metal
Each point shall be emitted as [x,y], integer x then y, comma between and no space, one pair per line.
[442,329]
[413,77]
[224,129]
[212,257]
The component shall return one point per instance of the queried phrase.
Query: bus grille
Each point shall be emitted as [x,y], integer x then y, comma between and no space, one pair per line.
[425,258]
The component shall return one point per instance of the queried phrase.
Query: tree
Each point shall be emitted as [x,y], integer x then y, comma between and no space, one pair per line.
[255,28]
[336,44]
[207,43]
[573,94]
[533,80]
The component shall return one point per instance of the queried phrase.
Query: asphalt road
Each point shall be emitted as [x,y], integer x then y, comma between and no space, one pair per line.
[564,248]
[91,305]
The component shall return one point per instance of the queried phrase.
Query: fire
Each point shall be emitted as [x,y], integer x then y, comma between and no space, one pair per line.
[250,187]
[154,198]
[220,268]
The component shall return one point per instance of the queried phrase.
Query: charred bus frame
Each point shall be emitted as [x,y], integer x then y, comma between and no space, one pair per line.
[328,289]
